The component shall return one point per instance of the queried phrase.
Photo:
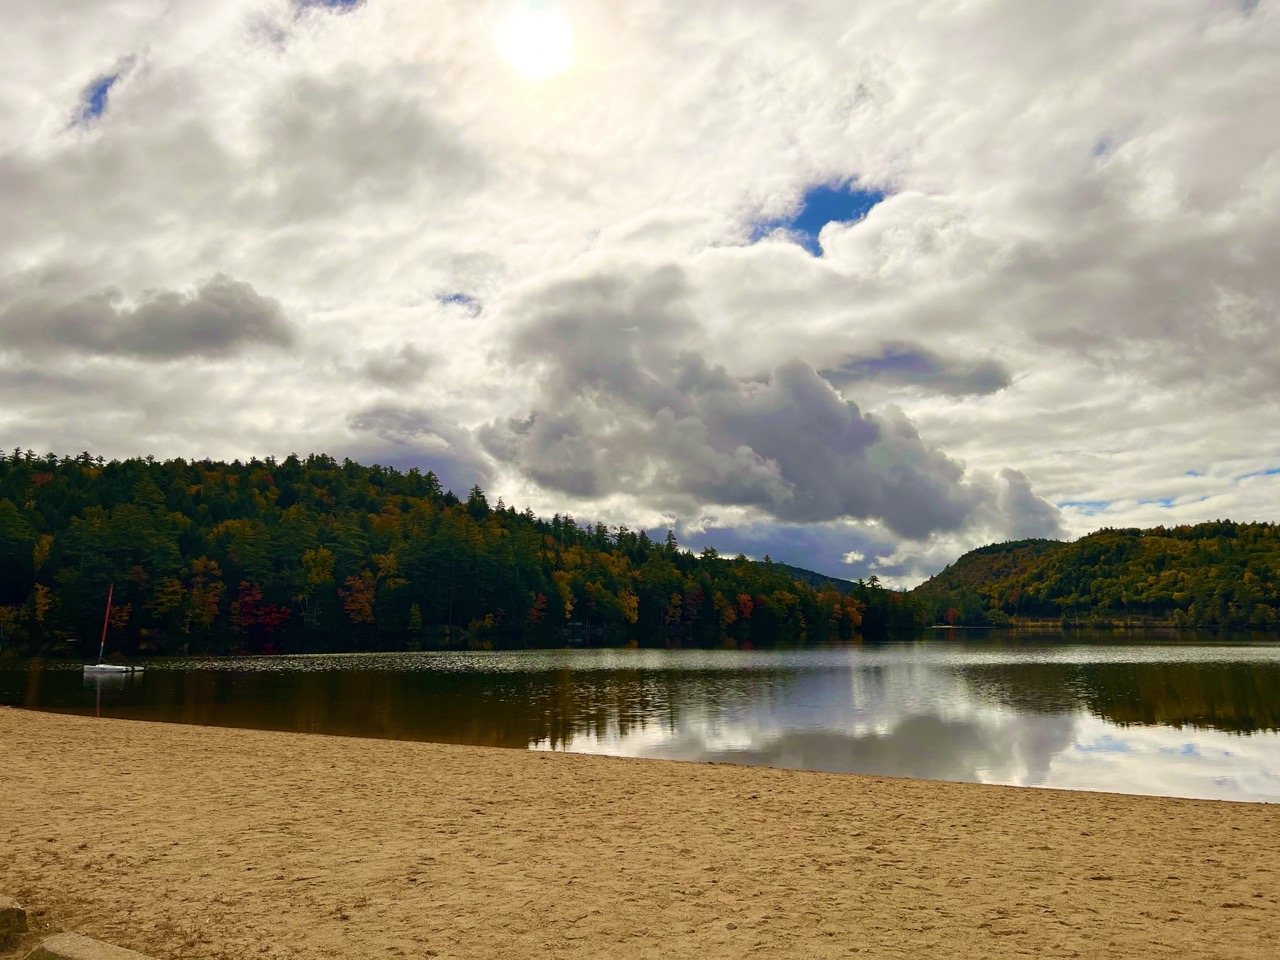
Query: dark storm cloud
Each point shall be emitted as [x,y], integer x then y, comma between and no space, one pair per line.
[220,318]
[627,405]
[910,364]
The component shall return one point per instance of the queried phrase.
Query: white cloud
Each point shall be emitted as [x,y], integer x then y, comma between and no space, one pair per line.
[1069,291]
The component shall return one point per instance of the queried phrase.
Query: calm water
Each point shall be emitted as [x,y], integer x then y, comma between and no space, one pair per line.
[1194,720]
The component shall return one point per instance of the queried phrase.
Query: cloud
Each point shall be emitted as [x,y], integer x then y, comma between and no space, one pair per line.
[397,368]
[1025,515]
[363,144]
[341,6]
[219,318]
[1069,274]
[626,404]
[912,364]
[415,437]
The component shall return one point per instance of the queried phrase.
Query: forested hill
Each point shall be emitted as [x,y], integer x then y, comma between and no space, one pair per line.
[312,554]
[817,580]
[1218,574]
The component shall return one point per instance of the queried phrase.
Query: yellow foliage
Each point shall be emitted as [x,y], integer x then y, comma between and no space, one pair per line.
[318,566]
[388,565]
[41,601]
[167,596]
[630,605]
[40,554]
[563,580]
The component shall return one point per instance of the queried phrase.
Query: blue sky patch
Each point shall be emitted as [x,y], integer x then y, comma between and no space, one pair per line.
[1105,744]
[1271,472]
[471,304]
[331,4]
[93,102]
[1087,507]
[822,205]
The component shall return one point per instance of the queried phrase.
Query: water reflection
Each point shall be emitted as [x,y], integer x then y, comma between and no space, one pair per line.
[482,702]
[116,686]
[1238,697]
[1185,720]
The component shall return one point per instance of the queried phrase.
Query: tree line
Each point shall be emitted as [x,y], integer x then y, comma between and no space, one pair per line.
[312,554]
[1218,575]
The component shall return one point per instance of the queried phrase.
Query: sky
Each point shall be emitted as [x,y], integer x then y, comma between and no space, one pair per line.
[857,285]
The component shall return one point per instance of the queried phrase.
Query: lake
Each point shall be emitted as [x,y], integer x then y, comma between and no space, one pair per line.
[1176,719]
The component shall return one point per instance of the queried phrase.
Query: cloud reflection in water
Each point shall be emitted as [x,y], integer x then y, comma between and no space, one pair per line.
[985,723]
[1197,720]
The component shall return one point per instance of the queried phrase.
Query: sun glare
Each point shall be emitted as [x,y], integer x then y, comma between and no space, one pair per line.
[536,42]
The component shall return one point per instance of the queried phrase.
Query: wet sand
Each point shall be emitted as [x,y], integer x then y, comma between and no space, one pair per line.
[198,842]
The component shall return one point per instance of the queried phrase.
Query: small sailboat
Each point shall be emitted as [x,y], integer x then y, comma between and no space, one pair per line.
[107,668]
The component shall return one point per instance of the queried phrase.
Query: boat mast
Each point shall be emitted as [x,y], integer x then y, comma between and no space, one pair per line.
[106,617]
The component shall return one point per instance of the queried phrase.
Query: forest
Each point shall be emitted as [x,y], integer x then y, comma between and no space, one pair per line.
[311,554]
[1216,575]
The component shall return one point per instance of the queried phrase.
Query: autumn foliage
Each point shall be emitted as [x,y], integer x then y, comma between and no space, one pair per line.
[315,554]
[1218,574]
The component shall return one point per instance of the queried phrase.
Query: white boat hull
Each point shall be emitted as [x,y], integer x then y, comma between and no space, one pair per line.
[109,668]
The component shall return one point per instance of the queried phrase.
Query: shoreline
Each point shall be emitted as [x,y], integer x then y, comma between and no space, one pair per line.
[217,842]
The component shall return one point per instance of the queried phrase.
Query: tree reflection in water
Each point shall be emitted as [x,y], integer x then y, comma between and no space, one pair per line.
[510,708]
[553,699]
[1233,697]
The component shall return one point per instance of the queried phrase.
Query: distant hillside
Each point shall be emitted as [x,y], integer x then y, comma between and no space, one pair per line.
[884,611]
[1215,574]
[815,579]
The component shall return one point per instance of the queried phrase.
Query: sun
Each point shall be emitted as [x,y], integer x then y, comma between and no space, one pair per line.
[537,42]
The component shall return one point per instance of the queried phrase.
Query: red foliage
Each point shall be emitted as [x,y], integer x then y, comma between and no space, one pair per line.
[539,609]
[250,613]
[693,601]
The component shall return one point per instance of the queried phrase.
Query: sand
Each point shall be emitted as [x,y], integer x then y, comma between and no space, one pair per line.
[184,841]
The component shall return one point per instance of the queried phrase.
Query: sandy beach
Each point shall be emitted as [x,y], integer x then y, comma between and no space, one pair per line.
[183,841]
